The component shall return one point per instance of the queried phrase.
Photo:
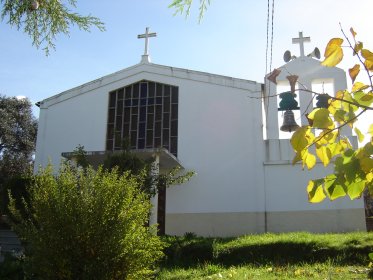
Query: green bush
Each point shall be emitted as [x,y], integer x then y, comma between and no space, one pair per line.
[87,224]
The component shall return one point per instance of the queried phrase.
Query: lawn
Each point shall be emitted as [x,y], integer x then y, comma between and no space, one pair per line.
[269,256]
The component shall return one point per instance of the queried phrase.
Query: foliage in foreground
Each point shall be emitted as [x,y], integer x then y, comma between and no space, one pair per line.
[269,256]
[86,224]
[353,167]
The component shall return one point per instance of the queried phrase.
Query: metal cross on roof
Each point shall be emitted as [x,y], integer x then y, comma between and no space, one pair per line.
[147,35]
[301,40]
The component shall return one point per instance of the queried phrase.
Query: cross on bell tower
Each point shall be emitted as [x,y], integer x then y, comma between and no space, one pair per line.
[301,40]
[145,57]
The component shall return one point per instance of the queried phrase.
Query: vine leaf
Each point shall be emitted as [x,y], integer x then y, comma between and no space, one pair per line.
[359,135]
[353,32]
[354,71]
[355,189]
[321,119]
[333,188]
[358,47]
[370,130]
[368,55]
[324,154]
[333,52]
[315,191]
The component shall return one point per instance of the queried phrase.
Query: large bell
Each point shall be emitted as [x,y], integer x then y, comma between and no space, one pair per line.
[289,124]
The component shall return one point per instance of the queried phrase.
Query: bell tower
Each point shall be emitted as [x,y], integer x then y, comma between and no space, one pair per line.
[281,91]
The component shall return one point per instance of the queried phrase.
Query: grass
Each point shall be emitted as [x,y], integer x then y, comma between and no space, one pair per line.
[269,256]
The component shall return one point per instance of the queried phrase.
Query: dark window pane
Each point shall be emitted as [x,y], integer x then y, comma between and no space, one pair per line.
[126,130]
[158,101]
[109,145]
[135,102]
[166,104]
[174,111]
[127,114]
[150,101]
[128,92]
[135,110]
[150,121]
[133,139]
[175,95]
[174,128]
[135,91]
[158,129]
[141,144]
[158,113]
[118,139]
[134,122]
[166,135]
[127,102]
[119,107]
[112,98]
[167,91]
[159,90]
[142,114]
[141,130]
[166,120]
[142,102]
[157,142]
[118,123]
[120,94]
[111,115]
[144,90]
[110,131]
[173,147]
[149,138]
[150,109]
[151,89]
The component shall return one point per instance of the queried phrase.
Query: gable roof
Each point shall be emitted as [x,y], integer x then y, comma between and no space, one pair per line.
[151,68]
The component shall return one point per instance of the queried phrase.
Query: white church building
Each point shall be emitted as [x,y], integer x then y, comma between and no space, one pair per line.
[223,128]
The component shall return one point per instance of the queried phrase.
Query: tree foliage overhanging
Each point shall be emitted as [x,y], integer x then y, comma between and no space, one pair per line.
[43,20]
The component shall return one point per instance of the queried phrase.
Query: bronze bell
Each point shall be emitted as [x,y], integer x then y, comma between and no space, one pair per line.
[289,124]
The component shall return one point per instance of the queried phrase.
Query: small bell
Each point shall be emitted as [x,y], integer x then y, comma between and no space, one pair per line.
[289,124]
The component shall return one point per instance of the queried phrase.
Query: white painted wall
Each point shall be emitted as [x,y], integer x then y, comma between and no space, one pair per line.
[220,134]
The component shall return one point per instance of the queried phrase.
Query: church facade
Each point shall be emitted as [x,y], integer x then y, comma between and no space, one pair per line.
[225,129]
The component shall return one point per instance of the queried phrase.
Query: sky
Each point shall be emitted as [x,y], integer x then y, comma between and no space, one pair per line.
[230,40]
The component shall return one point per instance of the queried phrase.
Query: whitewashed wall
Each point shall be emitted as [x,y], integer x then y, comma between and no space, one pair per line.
[219,134]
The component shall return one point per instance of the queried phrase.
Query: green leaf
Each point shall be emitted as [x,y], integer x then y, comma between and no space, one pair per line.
[362,98]
[301,138]
[359,135]
[324,154]
[358,86]
[370,130]
[371,256]
[333,52]
[368,55]
[310,160]
[366,164]
[333,188]
[315,191]
[358,47]
[355,189]
[354,71]
[321,119]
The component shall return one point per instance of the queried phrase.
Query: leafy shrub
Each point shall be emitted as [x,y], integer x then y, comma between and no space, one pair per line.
[86,224]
